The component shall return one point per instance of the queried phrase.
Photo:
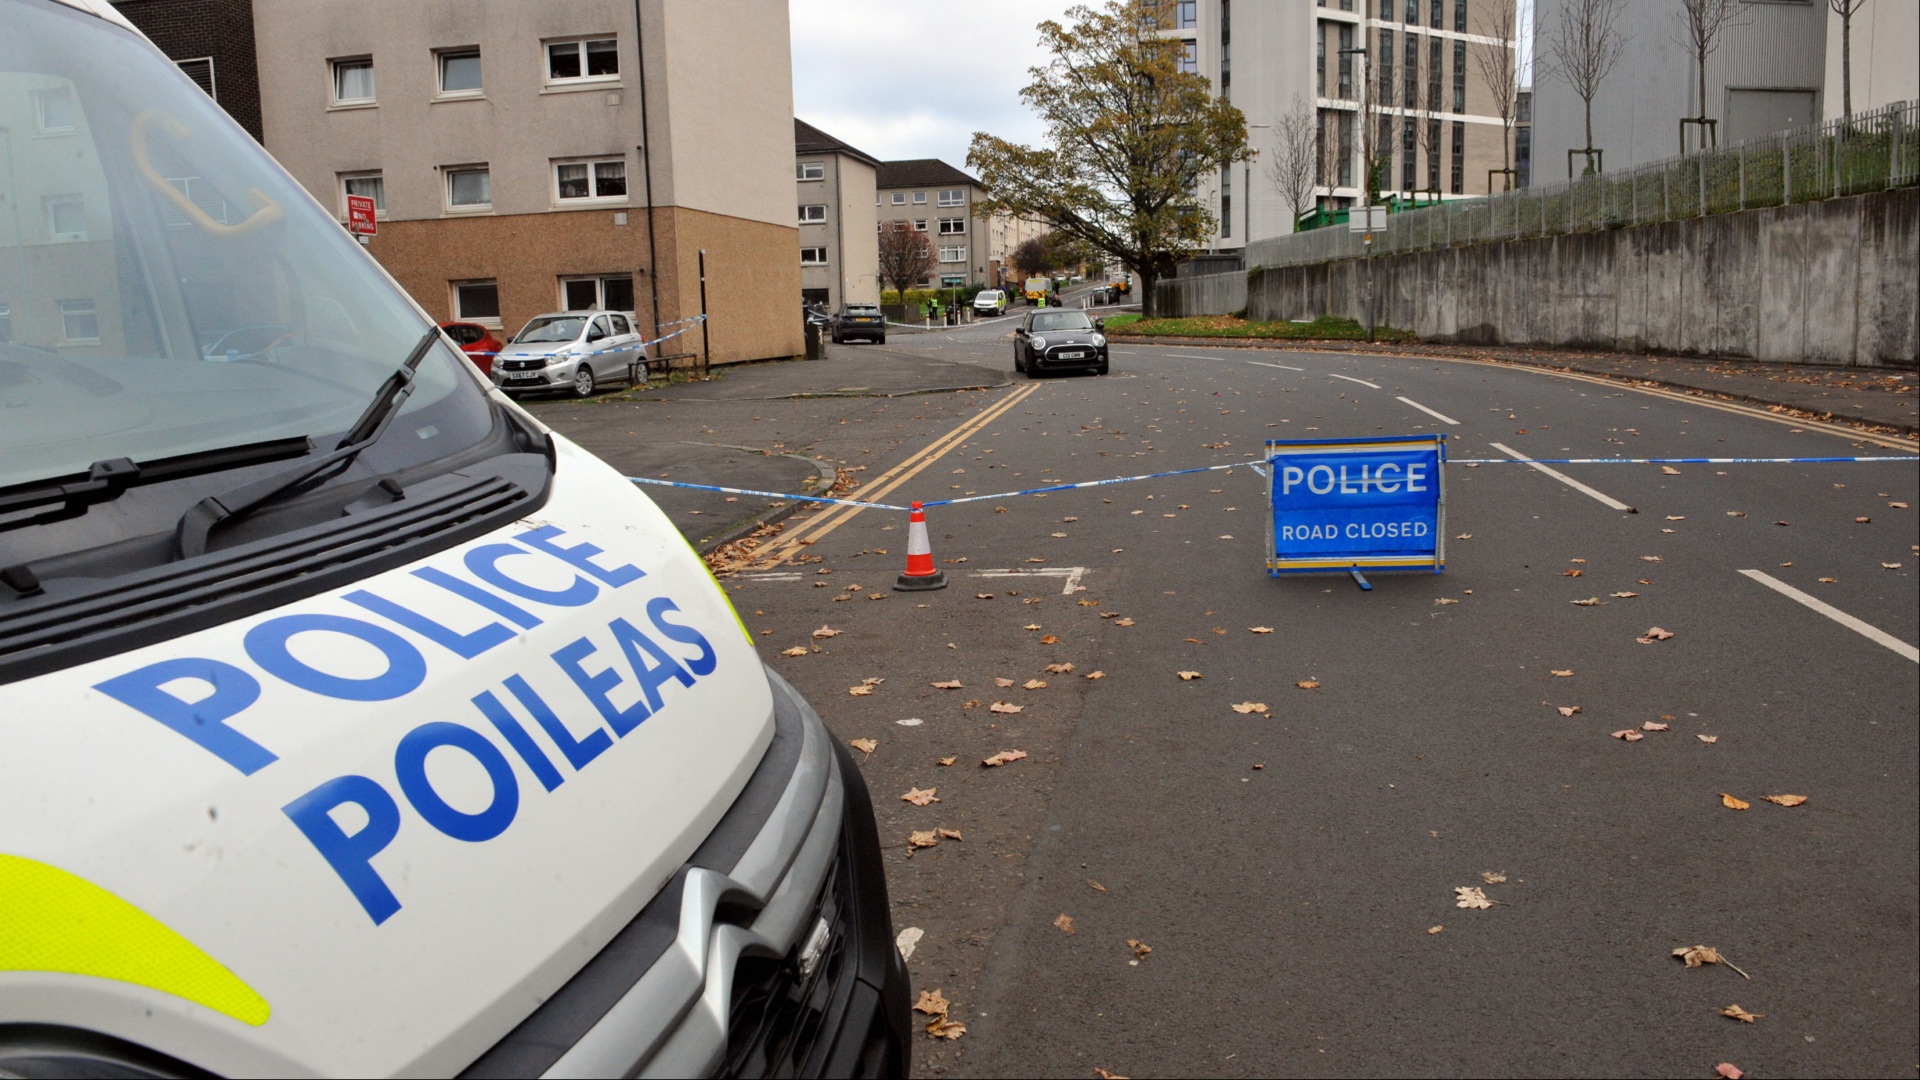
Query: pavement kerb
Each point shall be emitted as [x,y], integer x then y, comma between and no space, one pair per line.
[826,474]
[1363,349]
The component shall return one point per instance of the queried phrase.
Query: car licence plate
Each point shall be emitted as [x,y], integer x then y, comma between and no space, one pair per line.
[1070,354]
[530,377]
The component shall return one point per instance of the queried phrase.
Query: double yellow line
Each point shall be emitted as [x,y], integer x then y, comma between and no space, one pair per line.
[811,531]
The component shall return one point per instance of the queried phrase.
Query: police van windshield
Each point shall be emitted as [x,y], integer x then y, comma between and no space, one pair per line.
[165,289]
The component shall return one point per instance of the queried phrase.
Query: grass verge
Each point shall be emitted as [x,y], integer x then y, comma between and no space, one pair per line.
[1228,326]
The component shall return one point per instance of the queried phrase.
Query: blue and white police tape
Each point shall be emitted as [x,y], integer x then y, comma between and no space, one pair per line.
[1674,461]
[570,355]
[764,494]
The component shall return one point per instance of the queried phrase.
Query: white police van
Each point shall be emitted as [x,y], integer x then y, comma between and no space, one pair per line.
[352,723]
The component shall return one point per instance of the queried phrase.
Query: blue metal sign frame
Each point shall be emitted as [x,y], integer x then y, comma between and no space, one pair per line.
[1340,506]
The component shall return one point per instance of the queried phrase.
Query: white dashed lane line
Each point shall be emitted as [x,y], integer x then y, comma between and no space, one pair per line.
[1282,367]
[1442,417]
[1866,630]
[1564,478]
[1350,378]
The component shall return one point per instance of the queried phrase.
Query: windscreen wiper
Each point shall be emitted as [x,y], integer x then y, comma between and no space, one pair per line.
[198,523]
[110,478]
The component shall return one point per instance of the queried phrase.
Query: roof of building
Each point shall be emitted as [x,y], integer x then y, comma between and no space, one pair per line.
[808,139]
[920,172]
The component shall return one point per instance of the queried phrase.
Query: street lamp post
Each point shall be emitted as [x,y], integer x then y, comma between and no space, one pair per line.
[1366,174]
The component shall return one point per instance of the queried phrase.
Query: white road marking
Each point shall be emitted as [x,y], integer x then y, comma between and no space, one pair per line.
[1871,633]
[774,578]
[1350,378]
[1073,581]
[1564,478]
[1283,367]
[1437,416]
[1190,356]
[1070,573]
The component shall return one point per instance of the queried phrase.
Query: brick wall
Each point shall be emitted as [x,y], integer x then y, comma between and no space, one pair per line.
[221,29]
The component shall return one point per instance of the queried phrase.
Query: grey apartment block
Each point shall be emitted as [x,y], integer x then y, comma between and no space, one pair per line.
[1766,76]
[939,200]
[839,241]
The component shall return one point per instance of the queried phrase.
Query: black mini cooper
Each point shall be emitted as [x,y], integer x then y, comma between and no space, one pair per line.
[1059,340]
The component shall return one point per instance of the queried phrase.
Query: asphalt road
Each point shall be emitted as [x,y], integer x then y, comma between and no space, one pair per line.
[1294,872]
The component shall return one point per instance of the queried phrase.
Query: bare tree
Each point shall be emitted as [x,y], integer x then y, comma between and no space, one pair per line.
[1430,141]
[1294,170]
[1845,9]
[906,256]
[1583,48]
[1703,21]
[1499,67]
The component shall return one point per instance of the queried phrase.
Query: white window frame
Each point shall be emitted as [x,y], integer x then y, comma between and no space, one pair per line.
[580,46]
[334,67]
[813,213]
[920,225]
[460,314]
[955,197]
[53,233]
[899,198]
[79,307]
[599,290]
[953,254]
[440,58]
[40,98]
[449,172]
[809,171]
[213,83]
[919,198]
[813,256]
[379,201]
[959,226]
[593,198]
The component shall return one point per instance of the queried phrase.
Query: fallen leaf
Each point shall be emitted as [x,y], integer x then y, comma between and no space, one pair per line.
[1629,735]
[1123,622]
[1004,707]
[1565,673]
[1732,803]
[1737,1013]
[1140,948]
[1031,626]
[1219,630]
[1050,639]
[1189,676]
[1785,800]
[1060,669]
[1591,601]
[1654,725]
[1106,1074]
[949,759]
[1669,470]
[1863,521]
[1307,684]
[1033,684]
[1058,536]
[983,596]
[1651,558]
[1096,674]
[862,690]
[1064,922]
[946,684]
[1572,573]
[1471,896]
[1569,710]
[1658,634]
[1250,707]
[1889,566]
[933,1003]
[1444,600]
[1464,536]
[1626,595]
[997,681]
[1676,517]
[921,839]
[1708,739]
[1435,929]
[1783,523]
[1736,513]
[1096,885]
[950,834]
[1109,614]
[1829,580]
[1695,955]
[1003,757]
[1898,505]
[920,796]
[797,650]
[908,940]
[1259,629]
[1576,560]
[944,1028]
[827,632]
[1195,641]
[1728,1070]
[865,746]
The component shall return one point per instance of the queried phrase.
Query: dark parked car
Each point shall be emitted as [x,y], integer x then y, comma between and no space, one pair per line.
[859,321]
[476,341]
[1059,340]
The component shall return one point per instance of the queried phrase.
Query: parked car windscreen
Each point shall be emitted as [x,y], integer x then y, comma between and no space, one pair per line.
[551,328]
[141,232]
[1062,320]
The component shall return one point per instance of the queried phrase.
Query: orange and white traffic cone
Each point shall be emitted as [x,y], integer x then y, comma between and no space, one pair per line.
[921,575]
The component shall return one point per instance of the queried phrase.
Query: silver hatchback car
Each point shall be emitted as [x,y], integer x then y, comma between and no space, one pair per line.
[573,351]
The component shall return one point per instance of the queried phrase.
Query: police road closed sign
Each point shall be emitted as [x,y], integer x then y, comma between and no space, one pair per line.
[1356,504]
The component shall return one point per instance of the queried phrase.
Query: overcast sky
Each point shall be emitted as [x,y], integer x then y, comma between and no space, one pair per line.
[916,78]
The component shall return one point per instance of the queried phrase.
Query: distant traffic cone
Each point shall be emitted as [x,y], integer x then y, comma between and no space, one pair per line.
[921,575]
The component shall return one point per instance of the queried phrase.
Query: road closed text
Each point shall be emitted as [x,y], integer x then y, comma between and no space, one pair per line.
[622,671]
[1358,530]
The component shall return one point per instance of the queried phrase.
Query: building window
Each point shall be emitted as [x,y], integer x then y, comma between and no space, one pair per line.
[1320,61]
[1459,16]
[470,188]
[371,185]
[955,197]
[1190,57]
[920,225]
[1410,95]
[1346,62]
[919,198]
[200,70]
[54,112]
[1346,150]
[1226,202]
[353,81]
[610,293]
[79,321]
[1433,155]
[66,217]
[899,198]
[953,226]
[582,180]
[1433,19]
[477,301]
[1386,67]
[459,72]
[813,214]
[584,60]
[1459,76]
[1186,14]
[810,170]
[1459,157]
[1434,68]
[813,256]
[1346,5]
[953,254]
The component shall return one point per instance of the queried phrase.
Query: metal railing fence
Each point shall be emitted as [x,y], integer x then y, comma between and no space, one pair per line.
[1875,151]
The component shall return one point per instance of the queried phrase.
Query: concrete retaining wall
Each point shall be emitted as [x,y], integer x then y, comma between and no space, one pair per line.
[1205,294]
[1831,282]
